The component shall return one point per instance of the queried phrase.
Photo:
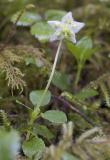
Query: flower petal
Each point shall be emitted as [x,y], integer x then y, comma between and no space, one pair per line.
[56,35]
[54,24]
[67,18]
[77,26]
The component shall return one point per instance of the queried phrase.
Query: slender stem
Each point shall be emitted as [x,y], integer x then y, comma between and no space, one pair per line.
[78,74]
[53,68]
[36,111]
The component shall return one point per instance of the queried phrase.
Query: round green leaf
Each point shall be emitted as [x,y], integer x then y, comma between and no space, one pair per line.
[42,31]
[55,116]
[54,14]
[86,93]
[43,131]
[33,147]
[60,80]
[35,97]
[83,50]
[27,18]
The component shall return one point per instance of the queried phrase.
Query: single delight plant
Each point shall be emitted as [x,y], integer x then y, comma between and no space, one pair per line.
[65,29]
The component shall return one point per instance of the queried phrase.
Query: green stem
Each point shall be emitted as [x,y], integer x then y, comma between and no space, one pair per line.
[52,73]
[36,111]
[78,74]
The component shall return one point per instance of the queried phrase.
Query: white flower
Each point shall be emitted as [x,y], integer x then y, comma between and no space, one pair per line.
[66,28]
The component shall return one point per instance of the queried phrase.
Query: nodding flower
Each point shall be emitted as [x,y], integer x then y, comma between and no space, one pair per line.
[66,28]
